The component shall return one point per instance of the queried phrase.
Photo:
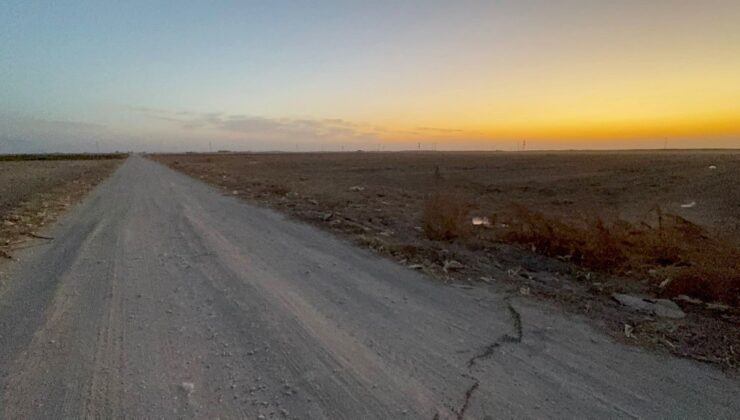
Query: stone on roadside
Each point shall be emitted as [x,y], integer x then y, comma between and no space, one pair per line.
[661,307]
[188,387]
[718,307]
[689,299]
[452,265]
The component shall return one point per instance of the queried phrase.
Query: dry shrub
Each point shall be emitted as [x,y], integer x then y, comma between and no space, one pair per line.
[709,269]
[446,216]
[710,279]
[595,245]
[698,264]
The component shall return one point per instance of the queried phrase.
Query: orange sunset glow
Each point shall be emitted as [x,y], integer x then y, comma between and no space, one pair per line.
[572,74]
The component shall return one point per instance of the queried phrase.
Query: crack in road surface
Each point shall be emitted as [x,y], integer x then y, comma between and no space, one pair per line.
[160,297]
[487,352]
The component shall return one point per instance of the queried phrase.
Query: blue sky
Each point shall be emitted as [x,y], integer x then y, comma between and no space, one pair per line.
[273,74]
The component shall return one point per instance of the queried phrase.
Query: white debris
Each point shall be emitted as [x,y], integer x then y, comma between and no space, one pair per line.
[712,167]
[688,205]
[481,221]
[628,329]
[356,188]
[718,307]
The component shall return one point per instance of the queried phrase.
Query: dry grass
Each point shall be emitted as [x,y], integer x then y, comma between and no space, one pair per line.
[445,216]
[674,248]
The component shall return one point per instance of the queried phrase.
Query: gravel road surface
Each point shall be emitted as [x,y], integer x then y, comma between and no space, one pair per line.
[160,297]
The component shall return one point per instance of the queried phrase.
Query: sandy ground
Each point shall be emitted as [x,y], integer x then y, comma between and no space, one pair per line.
[161,297]
[34,193]
[376,199]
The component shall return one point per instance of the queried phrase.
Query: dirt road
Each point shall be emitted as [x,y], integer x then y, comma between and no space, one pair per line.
[159,297]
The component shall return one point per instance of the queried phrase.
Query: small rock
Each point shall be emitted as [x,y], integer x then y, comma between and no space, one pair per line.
[313,202]
[356,188]
[689,299]
[188,387]
[452,265]
[416,266]
[487,279]
[327,216]
[661,307]
[524,291]
[235,192]
[628,330]
[8,223]
[718,307]
[665,283]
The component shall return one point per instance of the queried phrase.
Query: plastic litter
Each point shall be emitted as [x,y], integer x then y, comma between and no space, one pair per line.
[481,221]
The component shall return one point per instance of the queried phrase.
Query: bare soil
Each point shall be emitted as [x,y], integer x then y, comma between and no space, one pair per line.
[378,200]
[159,297]
[34,193]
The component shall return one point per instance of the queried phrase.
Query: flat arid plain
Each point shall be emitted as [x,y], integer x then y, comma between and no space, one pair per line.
[572,227]
[364,285]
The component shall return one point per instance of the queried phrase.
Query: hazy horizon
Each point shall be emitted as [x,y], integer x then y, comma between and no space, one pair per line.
[470,75]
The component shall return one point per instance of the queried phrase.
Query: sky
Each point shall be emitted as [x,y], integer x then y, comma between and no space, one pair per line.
[344,75]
